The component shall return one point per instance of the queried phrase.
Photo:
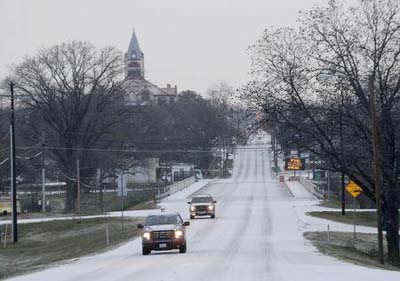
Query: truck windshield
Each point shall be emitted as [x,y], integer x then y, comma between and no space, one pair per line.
[201,199]
[163,219]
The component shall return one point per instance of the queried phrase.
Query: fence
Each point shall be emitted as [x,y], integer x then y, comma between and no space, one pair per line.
[102,198]
[177,186]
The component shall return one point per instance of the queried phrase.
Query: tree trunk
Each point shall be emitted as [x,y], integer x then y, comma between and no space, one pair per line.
[391,225]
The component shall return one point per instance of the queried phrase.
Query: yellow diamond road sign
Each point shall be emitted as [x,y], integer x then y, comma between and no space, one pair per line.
[354,189]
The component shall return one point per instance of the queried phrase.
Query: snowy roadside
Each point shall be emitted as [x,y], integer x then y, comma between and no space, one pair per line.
[308,223]
[305,202]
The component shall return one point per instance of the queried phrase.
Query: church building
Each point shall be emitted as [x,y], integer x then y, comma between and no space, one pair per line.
[140,90]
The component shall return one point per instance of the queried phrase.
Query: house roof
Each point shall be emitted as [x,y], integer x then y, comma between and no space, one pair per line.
[142,84]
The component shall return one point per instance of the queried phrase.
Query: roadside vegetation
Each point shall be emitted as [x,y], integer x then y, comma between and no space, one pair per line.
[59,241]
[361,250]
[336,204]
[366,218]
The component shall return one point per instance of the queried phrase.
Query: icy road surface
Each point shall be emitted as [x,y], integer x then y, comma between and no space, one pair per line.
[257,235]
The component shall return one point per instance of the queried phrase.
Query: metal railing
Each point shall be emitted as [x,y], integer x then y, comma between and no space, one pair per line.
[177,186]
[312,188]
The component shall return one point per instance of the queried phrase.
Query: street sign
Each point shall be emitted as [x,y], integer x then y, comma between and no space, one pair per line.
[354,189]
[304,155]
[294,164]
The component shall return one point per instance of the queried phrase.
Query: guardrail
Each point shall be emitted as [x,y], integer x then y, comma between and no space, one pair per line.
[312,188]
[177,186]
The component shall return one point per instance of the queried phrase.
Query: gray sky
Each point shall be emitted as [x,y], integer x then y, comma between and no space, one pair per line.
[191,43]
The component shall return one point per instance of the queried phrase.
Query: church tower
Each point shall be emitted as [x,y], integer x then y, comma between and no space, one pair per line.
[134,60]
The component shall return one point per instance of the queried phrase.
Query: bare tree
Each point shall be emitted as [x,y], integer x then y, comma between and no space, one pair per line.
[314,81]
[72,88]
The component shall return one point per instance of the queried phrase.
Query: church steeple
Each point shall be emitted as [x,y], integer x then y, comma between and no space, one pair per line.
[134,60]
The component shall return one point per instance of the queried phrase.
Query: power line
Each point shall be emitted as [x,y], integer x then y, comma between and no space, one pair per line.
[145,150]
[30,158]
[4,161]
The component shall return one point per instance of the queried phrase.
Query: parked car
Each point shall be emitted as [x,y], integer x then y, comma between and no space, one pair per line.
[202,205]
[163,232]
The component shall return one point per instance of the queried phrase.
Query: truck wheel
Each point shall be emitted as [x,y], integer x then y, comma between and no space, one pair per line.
[182,249]
[145,251]
[213,216]
[191,217]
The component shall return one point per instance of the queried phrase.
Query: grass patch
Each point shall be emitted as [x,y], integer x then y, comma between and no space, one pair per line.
[144,206]
[40,215]
[362,250]
[335,204]
[362,218]
[44,243]
[150,204]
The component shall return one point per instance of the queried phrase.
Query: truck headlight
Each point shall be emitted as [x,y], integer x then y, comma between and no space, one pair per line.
[146,235]
[178,233]
[192,208]
[211,207]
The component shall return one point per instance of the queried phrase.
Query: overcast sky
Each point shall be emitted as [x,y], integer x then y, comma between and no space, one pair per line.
[190,43]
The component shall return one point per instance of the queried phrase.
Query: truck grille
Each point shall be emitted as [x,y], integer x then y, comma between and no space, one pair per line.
[162,235]
[201,208]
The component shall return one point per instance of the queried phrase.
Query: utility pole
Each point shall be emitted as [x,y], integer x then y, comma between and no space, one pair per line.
[121,192]
[376,164]
[13,170]
[343,196]
[221,151]
[43,174]
[273,142]
[166,176]
[78,187]
[341,150]
[329,185]
[224,138]
[98,186]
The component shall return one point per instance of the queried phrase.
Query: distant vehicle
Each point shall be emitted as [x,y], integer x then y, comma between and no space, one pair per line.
[163,232]
[202,205]
[198,174]
[166,178]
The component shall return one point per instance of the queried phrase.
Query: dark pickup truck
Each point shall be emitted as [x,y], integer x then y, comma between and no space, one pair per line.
[163,232]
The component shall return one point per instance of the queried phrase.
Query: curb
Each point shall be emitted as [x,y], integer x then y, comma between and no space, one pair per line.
[284,184]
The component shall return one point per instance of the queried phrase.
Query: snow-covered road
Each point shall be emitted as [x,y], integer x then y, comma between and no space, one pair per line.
[257,235]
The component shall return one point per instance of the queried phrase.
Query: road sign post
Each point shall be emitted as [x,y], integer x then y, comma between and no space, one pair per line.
[354,217]
[355,190]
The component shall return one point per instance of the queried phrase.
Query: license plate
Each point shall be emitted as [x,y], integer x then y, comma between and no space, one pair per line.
[163,245]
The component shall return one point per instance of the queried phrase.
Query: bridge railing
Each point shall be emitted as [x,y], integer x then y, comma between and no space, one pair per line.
[177,186]
[312,188]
